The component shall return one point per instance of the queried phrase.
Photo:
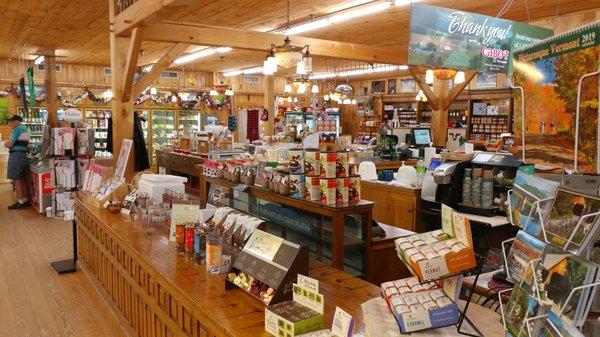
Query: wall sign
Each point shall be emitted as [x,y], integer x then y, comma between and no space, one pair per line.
[448,38]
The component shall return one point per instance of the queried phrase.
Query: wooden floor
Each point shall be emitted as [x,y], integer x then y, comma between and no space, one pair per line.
[34,299]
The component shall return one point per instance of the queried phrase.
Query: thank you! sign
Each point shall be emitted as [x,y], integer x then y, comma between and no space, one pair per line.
[448,38]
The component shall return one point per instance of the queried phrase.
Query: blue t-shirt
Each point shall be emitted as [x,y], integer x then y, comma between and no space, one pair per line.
[20,133]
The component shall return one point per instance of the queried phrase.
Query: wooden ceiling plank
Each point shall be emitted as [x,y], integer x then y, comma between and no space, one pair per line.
[252,40]
[133,54]
[163,64]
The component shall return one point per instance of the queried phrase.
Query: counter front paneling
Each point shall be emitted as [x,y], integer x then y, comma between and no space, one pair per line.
[161,293]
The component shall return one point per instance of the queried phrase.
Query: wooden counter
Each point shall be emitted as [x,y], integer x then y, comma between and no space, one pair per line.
[160,293]
[394,205]
[182,165]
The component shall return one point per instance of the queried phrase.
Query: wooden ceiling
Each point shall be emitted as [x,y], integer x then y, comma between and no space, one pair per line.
[78,29]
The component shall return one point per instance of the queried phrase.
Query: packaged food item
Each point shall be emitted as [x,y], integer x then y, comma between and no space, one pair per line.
[313,188]
[180,231]
[297,186]
[417,257]
[311,162]
[327,162]
[341,164]
[341,194]
[354,189]
[429,305]
[443,301]
[416,308]
[402,309]
[328,189]
[296,161]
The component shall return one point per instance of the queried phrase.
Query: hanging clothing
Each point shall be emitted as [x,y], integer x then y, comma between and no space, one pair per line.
[109,135]
[31,87]
[23,93]
[139,145]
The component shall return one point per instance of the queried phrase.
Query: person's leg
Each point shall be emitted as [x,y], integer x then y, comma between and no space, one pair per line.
[21,191]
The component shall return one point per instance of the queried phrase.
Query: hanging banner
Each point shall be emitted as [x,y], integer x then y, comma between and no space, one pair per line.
[549,73]
[448,38]
[575,40]
[31,87]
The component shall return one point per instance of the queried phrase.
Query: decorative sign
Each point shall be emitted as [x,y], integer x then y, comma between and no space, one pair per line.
[72,116]
[123,158]
[232,123]
[448,38]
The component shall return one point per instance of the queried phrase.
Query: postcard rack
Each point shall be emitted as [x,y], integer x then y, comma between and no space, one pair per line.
[527,321]
[537,208]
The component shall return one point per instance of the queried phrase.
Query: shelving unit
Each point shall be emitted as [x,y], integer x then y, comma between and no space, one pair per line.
[489,119]
[98,120]
[163,128]
[34,119]
[189,118]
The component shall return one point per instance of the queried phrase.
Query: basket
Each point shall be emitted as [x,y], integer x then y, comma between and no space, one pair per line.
[457,156]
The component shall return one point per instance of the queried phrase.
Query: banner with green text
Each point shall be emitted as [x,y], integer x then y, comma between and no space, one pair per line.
[448,38]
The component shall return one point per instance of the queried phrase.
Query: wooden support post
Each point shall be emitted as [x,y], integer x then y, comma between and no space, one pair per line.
[122,111]
[51,90]
[440,98]
[439,116]
[269,103]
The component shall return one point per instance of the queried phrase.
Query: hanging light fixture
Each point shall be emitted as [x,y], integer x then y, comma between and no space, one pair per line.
[288,55]
[314,89]
[459,77]
[326,97]
[429,76]
[307,61]
[288,88]
[353,101]
[107,95]
[295,99]
[300,68]
[272,61]
[302,88]
[229,91]
[153,91]
[213,92]
[289,99]
[174,97]
[267,69]
[346,101]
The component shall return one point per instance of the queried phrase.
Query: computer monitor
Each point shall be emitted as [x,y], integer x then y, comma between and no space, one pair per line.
[422,137]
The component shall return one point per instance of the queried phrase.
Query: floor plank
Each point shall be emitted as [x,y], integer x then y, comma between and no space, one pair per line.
[34,300]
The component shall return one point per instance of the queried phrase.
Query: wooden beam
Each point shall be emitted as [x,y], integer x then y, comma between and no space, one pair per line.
[269,104]
[136,13]
[458,88]
[133,54]
[416,73]
[163,64]
[259,41]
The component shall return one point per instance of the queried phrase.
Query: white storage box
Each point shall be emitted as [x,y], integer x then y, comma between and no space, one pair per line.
[155,185]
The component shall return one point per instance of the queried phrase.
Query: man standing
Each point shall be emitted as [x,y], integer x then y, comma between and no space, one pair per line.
[17,159]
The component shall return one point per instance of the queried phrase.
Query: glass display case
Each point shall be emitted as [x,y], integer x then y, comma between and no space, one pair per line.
[163,128]
[315,231]
[34,119]
[98,120]
[189,118]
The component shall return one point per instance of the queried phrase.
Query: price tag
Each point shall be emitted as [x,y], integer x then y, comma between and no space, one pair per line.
[343,324]
[433,268]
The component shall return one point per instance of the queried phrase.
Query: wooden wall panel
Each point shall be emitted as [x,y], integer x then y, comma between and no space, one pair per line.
[74,75]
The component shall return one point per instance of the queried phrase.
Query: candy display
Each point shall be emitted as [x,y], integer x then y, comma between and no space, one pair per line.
[327,164]
[252,286]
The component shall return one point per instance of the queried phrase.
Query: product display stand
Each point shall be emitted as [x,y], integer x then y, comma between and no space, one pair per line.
[463,314]
[70,265]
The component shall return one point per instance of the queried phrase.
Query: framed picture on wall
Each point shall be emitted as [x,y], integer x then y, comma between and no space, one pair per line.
[408,85]
[391,87]
[487,80]
[377,87]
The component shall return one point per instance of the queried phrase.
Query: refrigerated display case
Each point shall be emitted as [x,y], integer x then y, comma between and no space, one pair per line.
[34,119]
[163,129]
[98,120]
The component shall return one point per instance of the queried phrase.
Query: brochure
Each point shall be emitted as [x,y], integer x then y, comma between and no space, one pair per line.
[525,248]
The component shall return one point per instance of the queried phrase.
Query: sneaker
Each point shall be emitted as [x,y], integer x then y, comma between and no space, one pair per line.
[18,205]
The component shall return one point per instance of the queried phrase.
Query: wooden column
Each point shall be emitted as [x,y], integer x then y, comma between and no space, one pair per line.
[439,116]
[122,111]
[269,103]
[51,91]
